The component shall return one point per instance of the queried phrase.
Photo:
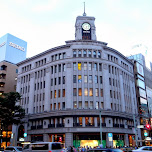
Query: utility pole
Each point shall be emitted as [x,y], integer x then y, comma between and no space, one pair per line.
[100,126]
[135,126]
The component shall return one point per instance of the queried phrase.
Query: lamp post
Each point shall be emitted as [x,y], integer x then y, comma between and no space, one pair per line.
[100,126]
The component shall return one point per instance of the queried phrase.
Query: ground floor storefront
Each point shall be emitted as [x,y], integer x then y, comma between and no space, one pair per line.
[87,139]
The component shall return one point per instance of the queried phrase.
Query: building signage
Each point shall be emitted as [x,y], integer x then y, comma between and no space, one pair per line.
[109,134]
[16,46]
[145,134]
[140,69]
[2,44]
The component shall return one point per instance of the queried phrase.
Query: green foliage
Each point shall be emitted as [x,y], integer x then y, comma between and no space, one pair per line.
[10,112]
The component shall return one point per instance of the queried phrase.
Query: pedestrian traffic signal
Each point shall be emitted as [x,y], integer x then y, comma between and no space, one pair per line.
[148,127]
[60,139]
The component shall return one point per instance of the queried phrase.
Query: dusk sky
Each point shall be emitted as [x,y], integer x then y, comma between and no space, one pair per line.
[49,23]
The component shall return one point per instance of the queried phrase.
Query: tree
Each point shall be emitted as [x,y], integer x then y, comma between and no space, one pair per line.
[10,112]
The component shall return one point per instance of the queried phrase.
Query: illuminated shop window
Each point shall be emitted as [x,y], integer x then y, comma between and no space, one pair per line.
[85,79]
[79,66]
[87,121]
[92,121]
[85,66]
[90,92]
[80,92]
[54,93]
[74,105]
[86,91]
[80,121]
[79,79]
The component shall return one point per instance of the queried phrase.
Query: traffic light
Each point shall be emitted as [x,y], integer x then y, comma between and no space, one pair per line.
[60,139]
[148,127]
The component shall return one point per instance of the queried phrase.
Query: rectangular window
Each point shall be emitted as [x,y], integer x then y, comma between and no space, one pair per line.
[90,92]
[54,106]
[95,67]
[74,105]
[59,67]
[79,66]
[86,104]
[110,93]
[90,78]
[91,104]
[51,94]
[74,92]
[74,54]
[51,69]
[99,54]
[59,92]
[90,66]
[79,79]
[86,91]
[109,68]
[80,104]
[63,93]
[64,68]
[109,81]
[97,92]
[85,66]
[102,105]
[55,81]
[100,79]
[63,79]
[60,56]
[74,78]
[97,105]
[59,80]
[59,106]
[101,92]
[63,105]
[85,79]
[55,68]
[64,55]
[100,67]
[80,92]
[54,93]
[96,79]
[74,66]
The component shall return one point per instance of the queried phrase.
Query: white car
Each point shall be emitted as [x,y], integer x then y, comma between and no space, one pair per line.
[143,149]
[13,148]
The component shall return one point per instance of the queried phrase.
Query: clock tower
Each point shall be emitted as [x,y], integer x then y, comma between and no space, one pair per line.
[85,28]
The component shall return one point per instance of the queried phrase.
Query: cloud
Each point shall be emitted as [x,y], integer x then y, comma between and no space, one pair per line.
[48,6]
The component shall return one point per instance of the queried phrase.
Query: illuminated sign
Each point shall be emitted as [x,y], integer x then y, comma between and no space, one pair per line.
[2,44]
[16,46]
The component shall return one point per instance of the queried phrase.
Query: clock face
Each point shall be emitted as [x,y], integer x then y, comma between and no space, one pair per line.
[86,26]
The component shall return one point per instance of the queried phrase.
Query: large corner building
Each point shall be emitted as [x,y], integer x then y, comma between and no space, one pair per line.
[65,89]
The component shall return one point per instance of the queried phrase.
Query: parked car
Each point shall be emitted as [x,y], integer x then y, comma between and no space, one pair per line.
[13,148]
[1,149]
[126,149]
[104,150]
[143,149]
[43,147]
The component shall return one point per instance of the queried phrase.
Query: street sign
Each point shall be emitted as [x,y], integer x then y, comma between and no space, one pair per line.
[109,134]
[140,126]
[145,133]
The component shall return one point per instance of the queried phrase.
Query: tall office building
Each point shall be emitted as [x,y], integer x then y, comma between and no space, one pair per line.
[66,89]
[12,51]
